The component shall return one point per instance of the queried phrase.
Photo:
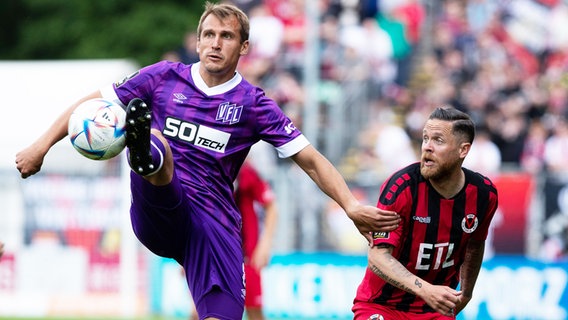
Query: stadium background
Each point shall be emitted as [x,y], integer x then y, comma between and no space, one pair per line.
[356,88]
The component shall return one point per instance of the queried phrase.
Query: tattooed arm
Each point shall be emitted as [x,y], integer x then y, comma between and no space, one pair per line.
[469,271]
[443,299]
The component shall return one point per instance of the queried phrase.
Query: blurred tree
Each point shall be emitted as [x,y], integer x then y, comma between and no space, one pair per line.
[60,29]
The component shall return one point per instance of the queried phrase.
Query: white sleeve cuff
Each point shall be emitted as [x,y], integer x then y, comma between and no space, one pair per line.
[291,148]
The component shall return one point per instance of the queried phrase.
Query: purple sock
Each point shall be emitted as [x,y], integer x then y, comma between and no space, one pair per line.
[158,151]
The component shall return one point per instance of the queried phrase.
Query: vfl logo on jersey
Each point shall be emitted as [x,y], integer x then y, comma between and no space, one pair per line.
[123,81]
[469,223]
[290,128]
[229,113]
[381,235]
[202,136]
[179,97]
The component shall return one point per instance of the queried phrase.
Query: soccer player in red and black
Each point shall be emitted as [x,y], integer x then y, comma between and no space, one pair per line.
[446,210]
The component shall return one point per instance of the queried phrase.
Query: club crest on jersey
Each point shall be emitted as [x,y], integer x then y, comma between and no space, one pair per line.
[469,223]
[381,235]
[376,317]
[228,112]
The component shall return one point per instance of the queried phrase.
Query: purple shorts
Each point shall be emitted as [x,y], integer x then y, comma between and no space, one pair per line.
[171,225]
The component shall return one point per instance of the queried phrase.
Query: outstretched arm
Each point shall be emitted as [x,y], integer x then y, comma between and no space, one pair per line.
[443,299]
[30,159]
[366,218]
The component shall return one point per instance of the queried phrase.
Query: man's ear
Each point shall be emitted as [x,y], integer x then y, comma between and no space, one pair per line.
[244,48]
[464,149]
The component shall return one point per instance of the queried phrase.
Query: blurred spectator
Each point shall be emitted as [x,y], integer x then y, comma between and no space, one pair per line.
[187,52]
[532,158]
[508,126]
[266,33]
[480,13]
[285,89]
[558,99]
[266,38]
[527,24]
[393,146]
[293,17]
[331,49]
[484,155]
[411,14]
[556,148]
[373,46]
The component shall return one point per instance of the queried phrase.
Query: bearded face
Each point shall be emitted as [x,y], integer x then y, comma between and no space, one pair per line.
[436,169]
[441,151]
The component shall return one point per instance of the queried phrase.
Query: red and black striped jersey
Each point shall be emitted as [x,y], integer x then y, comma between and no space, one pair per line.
[431,239]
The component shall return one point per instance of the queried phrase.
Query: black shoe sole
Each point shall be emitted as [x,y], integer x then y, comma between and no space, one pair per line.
[138,120]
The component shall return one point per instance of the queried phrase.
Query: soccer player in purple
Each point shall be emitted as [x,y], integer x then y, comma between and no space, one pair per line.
[413,271]
[189,129]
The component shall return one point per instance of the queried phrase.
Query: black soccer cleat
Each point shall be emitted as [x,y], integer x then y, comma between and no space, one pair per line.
[138,120]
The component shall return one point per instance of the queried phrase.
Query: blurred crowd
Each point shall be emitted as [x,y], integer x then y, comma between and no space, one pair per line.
[503,62]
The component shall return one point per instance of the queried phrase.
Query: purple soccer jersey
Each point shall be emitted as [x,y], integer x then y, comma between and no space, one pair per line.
[210,130]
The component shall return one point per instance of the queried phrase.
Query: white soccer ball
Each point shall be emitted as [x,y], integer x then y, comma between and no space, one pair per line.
[97,129]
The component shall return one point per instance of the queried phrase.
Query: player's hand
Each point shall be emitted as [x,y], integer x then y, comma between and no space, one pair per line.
[29,161]
[442,299]
[462,303]
[260,256]
[369,218]
[1,249]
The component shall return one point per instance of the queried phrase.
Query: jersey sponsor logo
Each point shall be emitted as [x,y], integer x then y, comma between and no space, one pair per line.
[179,97]
[421,219]
[202,136]
[469,223]
[433,256]
[123,81]
[381,235]
[290,128]
[229,113]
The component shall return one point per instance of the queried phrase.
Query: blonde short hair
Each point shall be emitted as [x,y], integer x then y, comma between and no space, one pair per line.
[222,11]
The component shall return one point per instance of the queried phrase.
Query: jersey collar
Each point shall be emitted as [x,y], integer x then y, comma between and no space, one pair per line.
[219,89]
